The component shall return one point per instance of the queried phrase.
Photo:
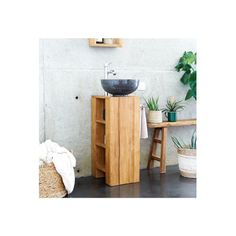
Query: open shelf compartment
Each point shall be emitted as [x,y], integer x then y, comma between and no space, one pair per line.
[100,163]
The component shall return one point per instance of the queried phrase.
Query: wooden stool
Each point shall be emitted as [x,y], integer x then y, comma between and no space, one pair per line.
[152,155]
[162,128]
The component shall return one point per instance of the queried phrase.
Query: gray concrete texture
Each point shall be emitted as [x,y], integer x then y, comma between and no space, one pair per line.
[70,68]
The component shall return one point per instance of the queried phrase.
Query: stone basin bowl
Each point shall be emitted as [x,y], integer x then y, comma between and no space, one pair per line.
[119,87]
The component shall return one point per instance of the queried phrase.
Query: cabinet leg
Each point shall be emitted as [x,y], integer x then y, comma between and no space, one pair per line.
[163,150]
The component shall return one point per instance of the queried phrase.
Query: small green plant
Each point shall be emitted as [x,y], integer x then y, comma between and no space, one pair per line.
[173,106]
[187,63]
[180,144]
[153,104]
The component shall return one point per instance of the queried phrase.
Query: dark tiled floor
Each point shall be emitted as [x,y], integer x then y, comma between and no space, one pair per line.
[152,185]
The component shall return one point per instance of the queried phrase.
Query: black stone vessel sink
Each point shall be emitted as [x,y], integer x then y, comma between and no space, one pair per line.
[119,87]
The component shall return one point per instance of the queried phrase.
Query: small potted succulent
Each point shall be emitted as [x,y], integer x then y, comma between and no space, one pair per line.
[155,113]
[172,106]
[187,156]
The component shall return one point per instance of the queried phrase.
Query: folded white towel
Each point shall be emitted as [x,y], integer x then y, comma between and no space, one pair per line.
[144,130]
[63,160]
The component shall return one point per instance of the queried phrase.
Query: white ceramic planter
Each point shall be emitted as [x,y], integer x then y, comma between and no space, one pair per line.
[155,116]
[187,162]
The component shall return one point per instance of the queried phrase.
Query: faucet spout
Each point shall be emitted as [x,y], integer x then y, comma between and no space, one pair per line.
[107,71]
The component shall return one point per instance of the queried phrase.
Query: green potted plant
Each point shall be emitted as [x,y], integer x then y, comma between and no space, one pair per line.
[155,113]
[187,64]
[186,154]
[172,107]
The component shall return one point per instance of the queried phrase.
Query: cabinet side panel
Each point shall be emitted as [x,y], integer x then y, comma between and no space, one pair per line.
[136,139]
[112,141]
[93,136]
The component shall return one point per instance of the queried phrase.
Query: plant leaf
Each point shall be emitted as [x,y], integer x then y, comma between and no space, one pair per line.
[194,140]
[179,66]
[188,58]
[187,68]
[176,142]
[189,94]
[193,78]
[185,78]
[179,108]
[152,104]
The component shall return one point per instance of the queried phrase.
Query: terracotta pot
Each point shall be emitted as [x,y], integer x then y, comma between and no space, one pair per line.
[155,116]
[187,162]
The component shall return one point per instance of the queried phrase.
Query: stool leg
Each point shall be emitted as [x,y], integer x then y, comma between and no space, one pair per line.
[150,161]
[153,148]
[163,150]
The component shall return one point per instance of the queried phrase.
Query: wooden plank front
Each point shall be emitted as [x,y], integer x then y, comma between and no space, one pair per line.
[129,129]
[125,129]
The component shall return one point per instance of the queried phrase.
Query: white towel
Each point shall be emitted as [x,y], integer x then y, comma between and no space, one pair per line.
[144,130]
[63,160]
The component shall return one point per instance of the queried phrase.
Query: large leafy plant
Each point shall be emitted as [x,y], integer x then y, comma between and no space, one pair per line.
[187,64]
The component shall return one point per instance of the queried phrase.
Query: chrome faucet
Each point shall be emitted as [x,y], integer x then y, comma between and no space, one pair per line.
[107,71]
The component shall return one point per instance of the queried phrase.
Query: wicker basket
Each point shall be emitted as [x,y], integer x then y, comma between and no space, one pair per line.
[187,162]
[50,182]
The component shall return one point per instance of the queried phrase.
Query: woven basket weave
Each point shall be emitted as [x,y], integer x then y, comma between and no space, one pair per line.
[50,182]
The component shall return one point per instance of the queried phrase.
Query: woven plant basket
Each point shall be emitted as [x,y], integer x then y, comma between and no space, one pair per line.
[50,182]
[187,162]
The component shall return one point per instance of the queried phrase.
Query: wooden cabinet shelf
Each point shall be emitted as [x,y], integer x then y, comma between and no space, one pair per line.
[117,43]
[101,121]
[101,168]
[116,145]
[101,145]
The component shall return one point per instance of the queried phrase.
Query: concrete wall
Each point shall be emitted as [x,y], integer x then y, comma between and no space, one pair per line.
[70,68]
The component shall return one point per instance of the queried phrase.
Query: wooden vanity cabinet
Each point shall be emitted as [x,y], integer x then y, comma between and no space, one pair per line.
[116,139]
